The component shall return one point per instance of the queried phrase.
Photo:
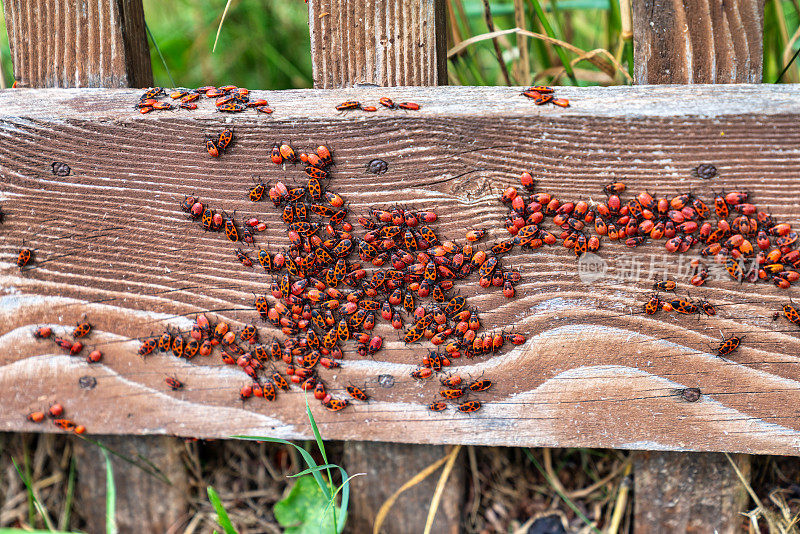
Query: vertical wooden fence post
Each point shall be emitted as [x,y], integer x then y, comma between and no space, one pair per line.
[695,41]
[382,42]
[77,43]
[387,43]
[685,42]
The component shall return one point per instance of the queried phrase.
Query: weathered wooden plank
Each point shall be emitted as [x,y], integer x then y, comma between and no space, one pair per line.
[389,42]
[594,372]
[78,43]
[387,467]
[157,499]
[687,492]
[696,41]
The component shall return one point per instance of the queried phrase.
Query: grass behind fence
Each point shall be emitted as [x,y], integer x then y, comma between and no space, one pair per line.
[265,43]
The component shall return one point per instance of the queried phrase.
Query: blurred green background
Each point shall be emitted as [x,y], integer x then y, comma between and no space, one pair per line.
[265,43]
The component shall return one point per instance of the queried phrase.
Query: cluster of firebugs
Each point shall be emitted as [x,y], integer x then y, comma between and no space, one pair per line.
[74,347]
[683,221]
[321,299]
[228,99]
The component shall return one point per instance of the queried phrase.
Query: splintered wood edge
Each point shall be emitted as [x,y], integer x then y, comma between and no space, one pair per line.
[619,101]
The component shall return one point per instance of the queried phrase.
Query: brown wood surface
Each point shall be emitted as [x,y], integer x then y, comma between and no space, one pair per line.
[110,242]
[155,501]
[387,467]
[683,43]
[693,493]
[381,42]
[698,41]
[78,43]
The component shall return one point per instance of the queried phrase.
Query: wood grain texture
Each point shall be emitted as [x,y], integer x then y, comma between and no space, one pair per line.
[111,243]
[381,42]
[698,41]
[145,502]
[667,483]
[688,492]
[78,43]
[387,467]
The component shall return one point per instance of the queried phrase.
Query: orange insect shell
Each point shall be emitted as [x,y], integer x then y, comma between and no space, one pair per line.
[437,406]
[94,356]
[508,290]
[56,410]
[43,332]
[287,152]
[80,429]
[35,417]
[509,194]
[229,338]
[211,148]
[666,306]
[64,424]
[277,159]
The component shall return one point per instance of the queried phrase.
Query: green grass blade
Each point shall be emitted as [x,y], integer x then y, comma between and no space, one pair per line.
[155,471]
[474,10]
[561,494]
[111,497]
[69,497]
[222,515]
[321,447]
[304,453]
[219,28]
[562,55]
[32,498]
[345,489]
[163,62]
[315,429]
[26,458]
[312,469]
[778,80]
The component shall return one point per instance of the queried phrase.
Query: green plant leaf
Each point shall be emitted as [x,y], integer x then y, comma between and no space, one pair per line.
[111,497]
[222,515]
[304,510]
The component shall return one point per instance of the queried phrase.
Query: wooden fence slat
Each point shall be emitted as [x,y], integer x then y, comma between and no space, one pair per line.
[83,43]
[144,500]
[389,43]
[78,43]
[688,492]
[387,467]
[382,42]
[697,41]
[691,42]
